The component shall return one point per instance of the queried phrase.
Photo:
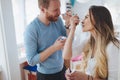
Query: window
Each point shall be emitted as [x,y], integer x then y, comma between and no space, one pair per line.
[24,12]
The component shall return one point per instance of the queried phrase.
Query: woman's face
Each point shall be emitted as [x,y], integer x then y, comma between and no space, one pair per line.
[86,24]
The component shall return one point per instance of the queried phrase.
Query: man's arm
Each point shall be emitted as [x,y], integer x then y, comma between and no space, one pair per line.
[31,46]
[49,51]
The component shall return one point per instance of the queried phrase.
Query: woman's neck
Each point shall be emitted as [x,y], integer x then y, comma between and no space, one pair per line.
[93,33]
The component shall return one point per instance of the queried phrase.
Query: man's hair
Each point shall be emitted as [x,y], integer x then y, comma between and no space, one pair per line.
[44,3]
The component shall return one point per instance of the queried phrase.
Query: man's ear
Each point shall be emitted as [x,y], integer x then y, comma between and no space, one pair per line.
[42,9]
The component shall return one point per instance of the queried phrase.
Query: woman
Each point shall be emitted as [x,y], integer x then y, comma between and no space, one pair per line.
[100,55]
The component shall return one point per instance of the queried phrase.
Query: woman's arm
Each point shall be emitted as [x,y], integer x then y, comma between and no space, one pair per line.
[67,51]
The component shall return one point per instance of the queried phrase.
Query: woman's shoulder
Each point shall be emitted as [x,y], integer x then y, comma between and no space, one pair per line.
[112,49]
[112,46]
[113,61]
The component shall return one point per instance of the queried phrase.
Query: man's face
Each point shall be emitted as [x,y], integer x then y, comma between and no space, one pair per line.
[53,11]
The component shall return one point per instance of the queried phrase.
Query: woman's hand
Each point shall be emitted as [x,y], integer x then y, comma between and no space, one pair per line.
[77,75]
[74,21]
[68,74]
[67,17]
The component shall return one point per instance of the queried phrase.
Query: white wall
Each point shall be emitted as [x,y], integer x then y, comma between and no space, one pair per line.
[8,49]
[82,8]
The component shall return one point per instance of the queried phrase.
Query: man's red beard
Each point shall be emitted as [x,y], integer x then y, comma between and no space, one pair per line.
[52,18]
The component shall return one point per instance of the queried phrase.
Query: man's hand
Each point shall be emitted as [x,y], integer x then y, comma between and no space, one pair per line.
[59,43]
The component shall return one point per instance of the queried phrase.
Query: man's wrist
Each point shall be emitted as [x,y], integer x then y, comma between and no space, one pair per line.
[53,47]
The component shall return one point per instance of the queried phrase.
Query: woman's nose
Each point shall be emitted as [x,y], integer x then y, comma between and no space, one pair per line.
[82,21]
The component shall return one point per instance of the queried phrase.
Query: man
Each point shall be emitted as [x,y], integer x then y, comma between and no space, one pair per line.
[43,47]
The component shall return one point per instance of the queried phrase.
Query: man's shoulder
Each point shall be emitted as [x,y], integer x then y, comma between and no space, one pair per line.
[32,25]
